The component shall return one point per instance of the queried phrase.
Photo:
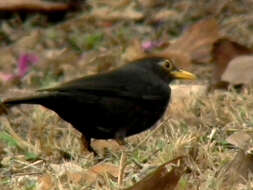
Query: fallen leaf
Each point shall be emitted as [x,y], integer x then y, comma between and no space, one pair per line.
[225,50]
[93,173]
[239,139]
[239,168]
[32,5]
[101,145]
[74,172]
[239,70]
[162,178]
[197,41]
[103,168]
[78,177]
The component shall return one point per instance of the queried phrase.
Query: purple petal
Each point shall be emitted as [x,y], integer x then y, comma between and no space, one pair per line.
[149,45]
[25,62]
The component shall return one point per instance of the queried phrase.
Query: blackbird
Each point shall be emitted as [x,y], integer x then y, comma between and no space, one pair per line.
[115,104]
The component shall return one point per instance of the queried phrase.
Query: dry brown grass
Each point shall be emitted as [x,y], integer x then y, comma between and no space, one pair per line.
[198,131]
[40,151]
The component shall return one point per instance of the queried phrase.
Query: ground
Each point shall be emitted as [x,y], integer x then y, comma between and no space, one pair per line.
[38,150]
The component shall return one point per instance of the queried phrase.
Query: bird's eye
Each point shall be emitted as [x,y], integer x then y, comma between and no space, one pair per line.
[168,64]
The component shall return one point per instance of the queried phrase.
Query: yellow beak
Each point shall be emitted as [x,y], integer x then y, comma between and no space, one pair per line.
[181,74]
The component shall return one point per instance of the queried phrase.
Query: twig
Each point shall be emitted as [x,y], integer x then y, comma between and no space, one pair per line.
[121,169]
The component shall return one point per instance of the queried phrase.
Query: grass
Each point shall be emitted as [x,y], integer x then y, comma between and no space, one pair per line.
[40,151]
[199,132]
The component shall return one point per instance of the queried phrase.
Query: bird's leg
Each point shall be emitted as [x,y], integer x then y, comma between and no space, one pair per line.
[86,144]
[119,137]
[121,141]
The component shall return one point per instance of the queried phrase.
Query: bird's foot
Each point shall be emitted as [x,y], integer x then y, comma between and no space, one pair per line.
[86,145]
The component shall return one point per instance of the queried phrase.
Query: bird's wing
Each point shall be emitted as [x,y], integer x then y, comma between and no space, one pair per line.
[129,86]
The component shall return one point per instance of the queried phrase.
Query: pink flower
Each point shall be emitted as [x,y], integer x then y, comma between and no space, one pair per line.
[25,62]
[149,45]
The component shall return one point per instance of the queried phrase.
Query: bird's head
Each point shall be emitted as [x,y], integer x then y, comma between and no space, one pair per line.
[163,68]
[168,66]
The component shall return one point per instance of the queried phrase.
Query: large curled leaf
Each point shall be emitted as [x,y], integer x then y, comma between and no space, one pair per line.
[239,70]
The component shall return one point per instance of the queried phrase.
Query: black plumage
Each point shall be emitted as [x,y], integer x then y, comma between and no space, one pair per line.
[112,105]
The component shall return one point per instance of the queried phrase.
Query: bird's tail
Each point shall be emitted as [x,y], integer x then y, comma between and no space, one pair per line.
[36,99]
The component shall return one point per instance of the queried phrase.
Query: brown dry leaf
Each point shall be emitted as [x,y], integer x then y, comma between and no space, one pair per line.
[103,168]
[111,14]
[224,50]
[237,171]
[78,177]
[46,182]
[196,43]
[239,168]
[161,178]
[32,5]
[77,174]
[93,173]
[239,139]
[239,70]
[101,145]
